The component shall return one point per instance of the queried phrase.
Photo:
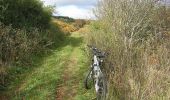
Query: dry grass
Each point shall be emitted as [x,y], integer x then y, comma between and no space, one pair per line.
[139,49]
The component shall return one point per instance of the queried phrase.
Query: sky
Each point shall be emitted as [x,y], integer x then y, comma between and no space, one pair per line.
[80,9]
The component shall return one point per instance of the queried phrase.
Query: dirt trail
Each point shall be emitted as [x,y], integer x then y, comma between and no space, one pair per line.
[64,91]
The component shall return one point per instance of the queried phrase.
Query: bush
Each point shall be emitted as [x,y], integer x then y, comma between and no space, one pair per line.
[17,44]
[131,32]
[65,27]
[25,13]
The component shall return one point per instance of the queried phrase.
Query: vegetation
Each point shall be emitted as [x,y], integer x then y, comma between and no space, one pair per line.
[135,33]
[25,30]
[34,55]
[35,61]
[79,23]
[64,26]
[69,24]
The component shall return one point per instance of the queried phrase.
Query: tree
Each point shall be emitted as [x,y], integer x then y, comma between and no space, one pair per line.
[25,13]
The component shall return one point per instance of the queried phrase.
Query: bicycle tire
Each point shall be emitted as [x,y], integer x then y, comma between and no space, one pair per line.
[101,95]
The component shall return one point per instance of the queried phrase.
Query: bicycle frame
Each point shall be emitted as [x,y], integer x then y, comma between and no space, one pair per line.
[97,71]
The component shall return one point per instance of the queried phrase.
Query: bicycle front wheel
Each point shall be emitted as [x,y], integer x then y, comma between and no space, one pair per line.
[88,82]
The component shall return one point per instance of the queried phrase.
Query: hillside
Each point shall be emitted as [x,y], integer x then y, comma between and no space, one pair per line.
[68,24]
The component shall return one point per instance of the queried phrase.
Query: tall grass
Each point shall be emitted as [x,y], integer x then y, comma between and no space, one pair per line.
[137,39]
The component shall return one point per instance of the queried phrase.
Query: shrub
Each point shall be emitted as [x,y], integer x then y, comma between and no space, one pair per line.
[65,27]
[16,43]
[131,32]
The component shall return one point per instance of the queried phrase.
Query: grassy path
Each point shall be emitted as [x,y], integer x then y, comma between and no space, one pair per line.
[59,76]
[64,91]
[72,86]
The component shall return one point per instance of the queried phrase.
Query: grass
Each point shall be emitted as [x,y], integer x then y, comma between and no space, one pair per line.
[41,81]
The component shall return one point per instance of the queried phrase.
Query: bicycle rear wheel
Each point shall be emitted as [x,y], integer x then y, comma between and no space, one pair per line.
[102,83]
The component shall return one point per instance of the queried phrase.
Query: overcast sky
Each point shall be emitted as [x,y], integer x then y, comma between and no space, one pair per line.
[73,8]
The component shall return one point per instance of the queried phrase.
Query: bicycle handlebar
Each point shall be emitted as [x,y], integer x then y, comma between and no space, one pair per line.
[97,52]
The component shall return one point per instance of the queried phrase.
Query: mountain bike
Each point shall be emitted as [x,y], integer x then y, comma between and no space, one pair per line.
[96,74]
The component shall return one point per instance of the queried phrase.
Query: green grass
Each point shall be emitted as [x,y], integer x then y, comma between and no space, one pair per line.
[41,81]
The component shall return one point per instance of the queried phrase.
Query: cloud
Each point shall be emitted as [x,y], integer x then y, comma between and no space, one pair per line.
[73,8]
[75,12]
[70,2]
